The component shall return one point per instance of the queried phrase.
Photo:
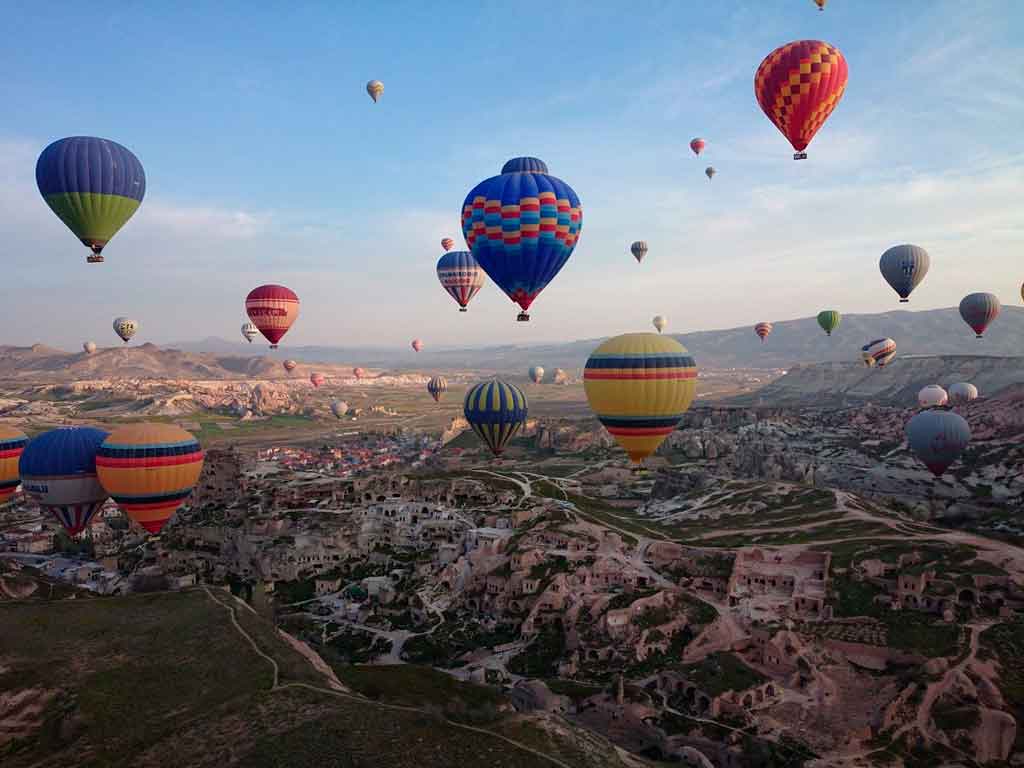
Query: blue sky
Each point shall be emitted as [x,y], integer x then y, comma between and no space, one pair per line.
[267,162]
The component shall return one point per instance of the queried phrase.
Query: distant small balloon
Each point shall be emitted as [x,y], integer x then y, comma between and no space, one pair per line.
[249,331]
[932,396]
[375,88]
[879,352]
[559,376]
[125,328]
[290,365]
[710,172]
[978,310]
[963,392]
[417,345]
[904,267]
[437,386]
[697,145]
[639,250]
[820,4]
[316,379]
[938,437]
[536,374]
[358,373]
[339,408]
[829,320]
[89,347]
[447,243]
[762,330]
[659,322]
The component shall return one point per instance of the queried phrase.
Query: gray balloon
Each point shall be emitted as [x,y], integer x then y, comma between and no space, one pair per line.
[963,392]
[937,438]
[904,267]
[978,310]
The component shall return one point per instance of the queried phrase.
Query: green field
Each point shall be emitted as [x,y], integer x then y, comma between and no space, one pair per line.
[165,679]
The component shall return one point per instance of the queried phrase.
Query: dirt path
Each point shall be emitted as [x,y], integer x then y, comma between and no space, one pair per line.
[362,701]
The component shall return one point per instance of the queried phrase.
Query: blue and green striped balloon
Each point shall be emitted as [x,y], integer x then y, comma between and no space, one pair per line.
[496,411]
[94,185]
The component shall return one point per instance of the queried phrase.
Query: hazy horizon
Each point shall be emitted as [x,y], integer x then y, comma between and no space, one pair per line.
[267,162]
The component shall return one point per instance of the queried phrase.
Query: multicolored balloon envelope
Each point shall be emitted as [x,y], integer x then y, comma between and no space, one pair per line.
[358,373]
[416,345]
[12,444]
[249,332]
[762,330]
[94,185]
[437,386]
[149,470]
[879,352]
[829,320]
[536,374]
[290,365]
[272,309]
[316,379]
[639,385]
[447,243]
[639,250]
[89,347]
[904,267]
[125,328]
[963,392]
[798,85]
[558,376]
[58,471]
[339,408]
[978,310]
[937,438]
[932,396]
[659,322]
[460,276]
[495,410]
[522,227]
[375,88]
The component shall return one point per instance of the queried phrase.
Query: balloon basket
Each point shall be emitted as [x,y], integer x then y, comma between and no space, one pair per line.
[273,346]
[904,301]
[94,259]
[978,336]
[799,155]
[463,309]
[523,317]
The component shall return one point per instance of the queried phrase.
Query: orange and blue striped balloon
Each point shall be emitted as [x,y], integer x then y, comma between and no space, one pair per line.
[149,470]
[639,385]
[496,411]
[12,443]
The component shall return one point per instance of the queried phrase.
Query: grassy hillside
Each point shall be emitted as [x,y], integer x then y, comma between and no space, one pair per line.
[168,680]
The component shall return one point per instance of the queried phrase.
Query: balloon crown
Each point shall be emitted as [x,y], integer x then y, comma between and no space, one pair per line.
[525,165]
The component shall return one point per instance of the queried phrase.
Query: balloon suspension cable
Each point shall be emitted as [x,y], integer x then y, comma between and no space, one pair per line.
[523,317]
[799,155]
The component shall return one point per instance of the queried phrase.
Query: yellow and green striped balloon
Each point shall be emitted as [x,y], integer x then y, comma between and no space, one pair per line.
[495,410]
[829,319]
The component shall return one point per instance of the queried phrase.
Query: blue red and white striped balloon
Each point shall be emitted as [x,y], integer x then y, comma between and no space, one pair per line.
[461,276]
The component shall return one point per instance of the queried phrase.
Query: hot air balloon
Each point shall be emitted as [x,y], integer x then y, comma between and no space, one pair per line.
[437,386]
[639,385]
[89,347]
[536,374]
[461,276]
[273,309]
[94,185]
[417,345]
[829,319]
[249,331]
[375,88]
[639,250]
[659,322]
[932,396]
[820,4]
[963,392]
[149,470]
[904,267]
[879,352]
[290,365]
[938,437]
[496,411]
[697,145]
[358,373]
[58,471]
[447,243]
[762,330]
[339,408]
[978,310]
[12,444]
[522,227]
[710,172]
[125,328]
[559,377]
[316,379]
[798,86]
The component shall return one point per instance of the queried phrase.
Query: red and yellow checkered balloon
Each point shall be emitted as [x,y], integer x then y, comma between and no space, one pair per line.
[798,86]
